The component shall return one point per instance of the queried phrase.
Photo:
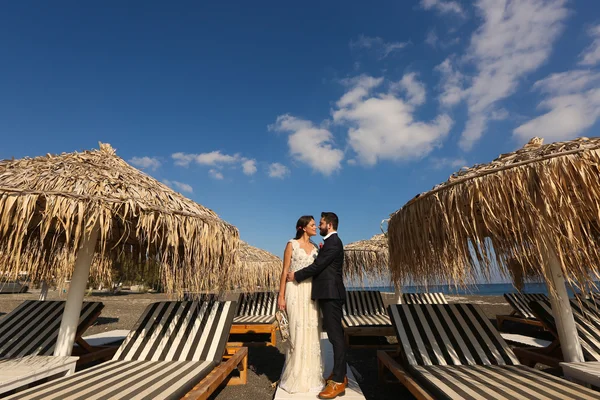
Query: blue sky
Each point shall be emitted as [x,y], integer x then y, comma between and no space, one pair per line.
[269,111]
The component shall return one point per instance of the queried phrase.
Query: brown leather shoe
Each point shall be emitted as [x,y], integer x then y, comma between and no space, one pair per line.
[330,377]
[333,390]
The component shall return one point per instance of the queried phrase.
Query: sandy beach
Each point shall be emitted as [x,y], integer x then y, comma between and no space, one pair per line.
[122,310]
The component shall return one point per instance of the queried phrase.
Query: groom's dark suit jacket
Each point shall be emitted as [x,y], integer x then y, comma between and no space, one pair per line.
[326,271]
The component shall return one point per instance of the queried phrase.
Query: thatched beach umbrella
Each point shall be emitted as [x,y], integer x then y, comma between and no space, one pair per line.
[367,258]
[257,267]
[537,209]
[67,209]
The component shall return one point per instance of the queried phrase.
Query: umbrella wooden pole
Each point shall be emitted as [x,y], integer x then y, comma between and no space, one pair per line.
[44,291]
[81,273]
[561,308]
[398,296]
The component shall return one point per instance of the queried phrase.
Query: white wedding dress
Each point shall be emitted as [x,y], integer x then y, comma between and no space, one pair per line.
[303,368]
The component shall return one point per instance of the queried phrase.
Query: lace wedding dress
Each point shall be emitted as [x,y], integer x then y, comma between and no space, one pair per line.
[303,368]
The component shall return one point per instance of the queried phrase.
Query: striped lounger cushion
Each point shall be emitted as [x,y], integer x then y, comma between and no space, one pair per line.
[424,298]
[587,321]
[172,347]
[520,302]
[456,353]
[32,328]
[364,308]
[256,308]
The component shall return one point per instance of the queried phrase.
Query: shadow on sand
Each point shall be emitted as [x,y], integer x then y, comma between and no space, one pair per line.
[117,294]
[106,320]
[262,360]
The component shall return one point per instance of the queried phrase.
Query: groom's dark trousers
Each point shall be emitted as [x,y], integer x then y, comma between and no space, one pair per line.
[328,289]
[332,323]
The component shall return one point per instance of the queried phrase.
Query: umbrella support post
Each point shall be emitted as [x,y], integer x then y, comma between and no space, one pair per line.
[561,308]
[81,273]
[397,296]
[44,292]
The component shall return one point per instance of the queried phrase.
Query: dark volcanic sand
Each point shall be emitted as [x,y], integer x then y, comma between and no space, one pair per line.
[121,311]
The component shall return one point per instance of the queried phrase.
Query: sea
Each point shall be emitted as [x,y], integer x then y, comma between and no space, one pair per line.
[484,289]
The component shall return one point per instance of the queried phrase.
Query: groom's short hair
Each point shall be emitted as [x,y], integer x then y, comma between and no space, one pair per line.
[330,218]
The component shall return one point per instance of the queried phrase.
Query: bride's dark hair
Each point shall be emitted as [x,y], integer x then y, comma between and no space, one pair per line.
[302,223]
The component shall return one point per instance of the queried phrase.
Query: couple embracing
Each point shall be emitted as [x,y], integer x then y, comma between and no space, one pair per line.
[311,281]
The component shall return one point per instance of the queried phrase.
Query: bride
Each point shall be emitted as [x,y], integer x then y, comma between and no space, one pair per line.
[303,368]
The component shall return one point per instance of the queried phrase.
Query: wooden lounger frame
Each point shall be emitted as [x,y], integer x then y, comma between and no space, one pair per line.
[236,358]
[386,360]
[242,329]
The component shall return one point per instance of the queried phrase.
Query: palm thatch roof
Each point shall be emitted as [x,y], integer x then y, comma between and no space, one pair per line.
[48,203]
[506,213]
[257,267]
[367,258]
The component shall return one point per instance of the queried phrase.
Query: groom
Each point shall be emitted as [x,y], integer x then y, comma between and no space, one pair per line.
[328,288]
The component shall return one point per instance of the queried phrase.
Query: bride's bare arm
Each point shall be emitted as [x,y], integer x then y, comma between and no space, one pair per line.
[287,259]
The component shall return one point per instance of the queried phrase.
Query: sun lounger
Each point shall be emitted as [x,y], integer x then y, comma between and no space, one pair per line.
[31,329]
[28,335]
[587,372]
[174,350]
[256,314]
[454,352]
[364,315]
[525,340]
[521,312]
[424,298]
[587,321]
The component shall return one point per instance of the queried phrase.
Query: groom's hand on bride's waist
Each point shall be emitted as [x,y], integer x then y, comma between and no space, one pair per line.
[290,276]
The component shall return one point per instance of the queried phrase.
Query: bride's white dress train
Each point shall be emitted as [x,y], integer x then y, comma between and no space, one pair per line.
[303,368]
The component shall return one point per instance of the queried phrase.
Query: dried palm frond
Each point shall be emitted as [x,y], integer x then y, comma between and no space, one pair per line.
[508,213]
[48,203]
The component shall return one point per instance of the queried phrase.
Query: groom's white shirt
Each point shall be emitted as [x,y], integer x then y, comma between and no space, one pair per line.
[329,234]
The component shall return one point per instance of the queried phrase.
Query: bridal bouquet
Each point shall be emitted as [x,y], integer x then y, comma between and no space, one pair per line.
[284,327]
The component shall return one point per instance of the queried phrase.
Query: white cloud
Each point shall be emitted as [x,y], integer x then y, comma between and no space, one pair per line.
[381,126]
[217,160]
[277,170]
[591,55]
[213,158]
[515,38]
[182,159]
[432,38]
[249,167]
[381,47]
[414,89]
[444,7]
[573,104]
[150,163]
[215,174]
[182,187]
[309,144]
[360,87]
[568,82]
[216,157]
[441,163]
[499,115]
[452,84]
